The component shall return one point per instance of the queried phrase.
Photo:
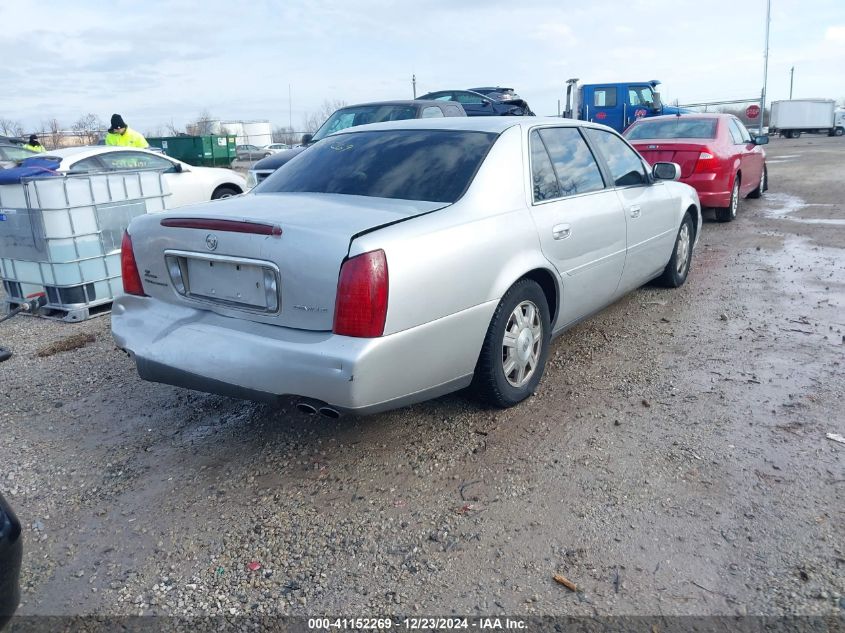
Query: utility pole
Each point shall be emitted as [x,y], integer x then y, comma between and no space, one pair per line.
[414,84]
[765,66]
[791,75]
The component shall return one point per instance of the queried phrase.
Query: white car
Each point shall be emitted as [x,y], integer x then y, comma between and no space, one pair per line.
[277,147]
[187,184]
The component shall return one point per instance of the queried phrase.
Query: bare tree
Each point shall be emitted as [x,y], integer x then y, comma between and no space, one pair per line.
[88,128]
[285,135]
[313,120]
[52,129]
[8,127]
[204,124]
[152,132]
[172,129]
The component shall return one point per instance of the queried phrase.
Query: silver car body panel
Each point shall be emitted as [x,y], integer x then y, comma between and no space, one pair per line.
[448,268]
[203,350]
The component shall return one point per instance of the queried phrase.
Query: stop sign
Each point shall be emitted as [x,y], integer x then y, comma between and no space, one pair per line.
[752,111]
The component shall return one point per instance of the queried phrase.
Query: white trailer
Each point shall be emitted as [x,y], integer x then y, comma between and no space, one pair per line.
[791,117]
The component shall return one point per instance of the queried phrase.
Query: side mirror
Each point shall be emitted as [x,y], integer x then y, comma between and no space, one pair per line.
[658,104]
[177,168]
[306,138]
[666,171]
[761,140]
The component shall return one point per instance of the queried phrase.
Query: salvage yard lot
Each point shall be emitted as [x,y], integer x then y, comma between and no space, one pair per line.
[673,461]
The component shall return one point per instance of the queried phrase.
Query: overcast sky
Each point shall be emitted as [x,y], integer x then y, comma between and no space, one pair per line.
[155,61]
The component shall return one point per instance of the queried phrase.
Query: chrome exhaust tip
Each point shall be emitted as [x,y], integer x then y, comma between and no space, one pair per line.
[306,407]
[330,413]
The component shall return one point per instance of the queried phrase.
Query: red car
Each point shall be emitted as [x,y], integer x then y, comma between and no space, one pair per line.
[717,155]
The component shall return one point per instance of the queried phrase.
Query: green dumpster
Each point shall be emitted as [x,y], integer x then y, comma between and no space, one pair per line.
[204,151]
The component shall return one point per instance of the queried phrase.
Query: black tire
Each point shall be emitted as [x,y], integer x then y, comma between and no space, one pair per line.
[224,192]
[839,131]
[728,213]
[763,186]
[490,382]
[676,271]
[5,354]
[796,134]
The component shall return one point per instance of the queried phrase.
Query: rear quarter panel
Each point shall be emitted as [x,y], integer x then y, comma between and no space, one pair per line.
[464,255]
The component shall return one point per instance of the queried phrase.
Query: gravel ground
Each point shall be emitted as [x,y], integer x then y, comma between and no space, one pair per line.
[673,461]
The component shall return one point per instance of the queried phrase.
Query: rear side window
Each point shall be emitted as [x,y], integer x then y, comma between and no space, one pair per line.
[626,167]
[86,165]
[452,110]
[543,178]
[744,136]
[676,127]
[736,134]
[429,165]
[469,99]
[431,112]
[135,160]
[604,97]
[573,162]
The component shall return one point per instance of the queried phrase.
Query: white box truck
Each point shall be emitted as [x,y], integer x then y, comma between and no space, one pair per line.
[791,117]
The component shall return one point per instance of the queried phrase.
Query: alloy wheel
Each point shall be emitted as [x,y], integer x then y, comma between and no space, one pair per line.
[682,250]
[522,344]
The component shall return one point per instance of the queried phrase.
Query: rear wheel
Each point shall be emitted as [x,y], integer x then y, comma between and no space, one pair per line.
[224,192]
[514,352]
[763,186]
[839,131]
[728,214]
[676,271]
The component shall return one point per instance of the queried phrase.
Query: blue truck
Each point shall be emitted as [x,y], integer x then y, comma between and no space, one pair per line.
[616,105]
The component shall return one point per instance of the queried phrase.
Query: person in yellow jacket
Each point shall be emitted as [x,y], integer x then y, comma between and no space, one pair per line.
[34,145]
[122,135]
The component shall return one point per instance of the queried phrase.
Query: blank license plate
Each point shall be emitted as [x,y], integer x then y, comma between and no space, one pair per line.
[227,281]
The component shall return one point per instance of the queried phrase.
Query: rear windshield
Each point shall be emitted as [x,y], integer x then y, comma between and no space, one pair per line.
[427,165]
[673,128]
[16,153]
[361,115]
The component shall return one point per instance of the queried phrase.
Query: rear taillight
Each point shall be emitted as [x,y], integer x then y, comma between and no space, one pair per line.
[129,268]
[361,305]
[706,162]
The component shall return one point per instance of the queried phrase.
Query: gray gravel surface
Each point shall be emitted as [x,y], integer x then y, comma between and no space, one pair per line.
[673,460]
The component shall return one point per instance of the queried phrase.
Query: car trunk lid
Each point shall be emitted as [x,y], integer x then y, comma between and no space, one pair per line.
[271,258]
[684,153]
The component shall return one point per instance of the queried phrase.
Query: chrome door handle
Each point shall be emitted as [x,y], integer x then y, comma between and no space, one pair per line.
[634,211]
[561,231]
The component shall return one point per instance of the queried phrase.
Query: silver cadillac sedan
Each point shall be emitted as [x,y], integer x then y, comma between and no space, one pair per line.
[397,262]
